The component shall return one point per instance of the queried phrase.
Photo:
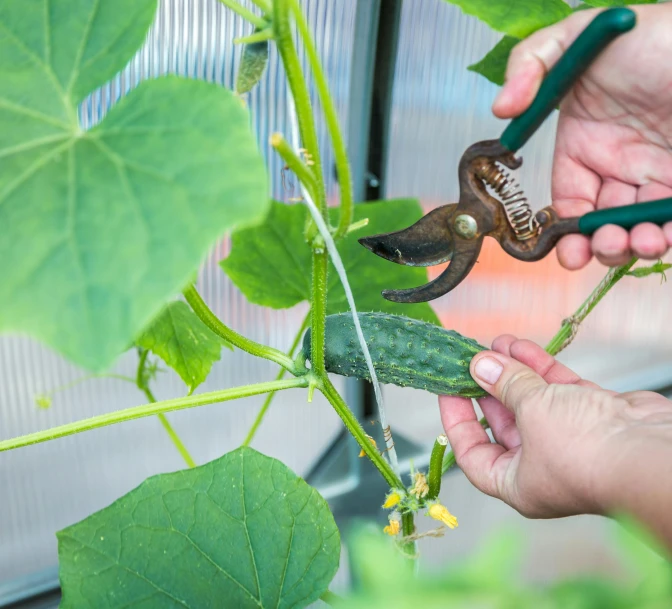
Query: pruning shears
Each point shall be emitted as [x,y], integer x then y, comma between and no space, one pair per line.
[492,204]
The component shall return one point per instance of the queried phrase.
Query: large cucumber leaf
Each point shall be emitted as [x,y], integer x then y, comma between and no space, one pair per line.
[517,18]
[101,227]
[183,342]
[271,264]
[241,531]
[493,65]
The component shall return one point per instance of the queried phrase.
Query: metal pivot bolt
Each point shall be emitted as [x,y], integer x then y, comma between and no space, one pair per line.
[466,226]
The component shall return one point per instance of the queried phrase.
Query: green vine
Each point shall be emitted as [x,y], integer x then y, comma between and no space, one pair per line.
[269,398]
[237,340]
[331,117]
[137,412]
[141,381]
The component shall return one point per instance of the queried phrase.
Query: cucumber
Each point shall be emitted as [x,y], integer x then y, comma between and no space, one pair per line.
[405,352]
[252,65]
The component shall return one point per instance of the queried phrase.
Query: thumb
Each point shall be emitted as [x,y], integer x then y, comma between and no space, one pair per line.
[511,382]
[531,59]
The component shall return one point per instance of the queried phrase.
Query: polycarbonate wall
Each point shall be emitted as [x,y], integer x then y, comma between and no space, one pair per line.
[46,487]
[439,109]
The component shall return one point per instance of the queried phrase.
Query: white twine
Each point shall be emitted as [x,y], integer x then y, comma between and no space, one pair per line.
[340,269]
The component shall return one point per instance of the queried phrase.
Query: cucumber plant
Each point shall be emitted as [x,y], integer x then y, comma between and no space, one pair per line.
[118,221]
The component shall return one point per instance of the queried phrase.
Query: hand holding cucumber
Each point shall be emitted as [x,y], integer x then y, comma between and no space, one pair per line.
[563,445]
[614,138]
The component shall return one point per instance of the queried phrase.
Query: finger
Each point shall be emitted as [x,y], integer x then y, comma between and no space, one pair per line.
[531,59]
[574,190]
[502,343]
[574,252]
[506,379]
[614,193]
[611,245]
[653,191]
[574,186]
[544,364]
[667,230]
[647,241]
[502,422]
[479,459]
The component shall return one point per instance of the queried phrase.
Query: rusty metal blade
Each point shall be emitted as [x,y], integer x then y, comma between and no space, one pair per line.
[427,242]
[464,259]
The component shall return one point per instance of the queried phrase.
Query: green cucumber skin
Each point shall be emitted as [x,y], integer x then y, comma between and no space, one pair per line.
[405,352]
[252,65]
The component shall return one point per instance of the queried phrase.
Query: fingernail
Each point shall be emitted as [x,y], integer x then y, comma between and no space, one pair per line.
[488,370]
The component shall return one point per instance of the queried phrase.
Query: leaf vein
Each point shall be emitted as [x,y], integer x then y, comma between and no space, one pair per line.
[82,46]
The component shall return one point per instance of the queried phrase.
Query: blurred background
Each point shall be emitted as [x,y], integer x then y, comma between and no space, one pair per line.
[398,74]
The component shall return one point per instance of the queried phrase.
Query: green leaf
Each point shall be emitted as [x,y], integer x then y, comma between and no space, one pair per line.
[103,226]
[658,268]
[241,531]
[271,264]
[517,18]
[183,342]
[493,65]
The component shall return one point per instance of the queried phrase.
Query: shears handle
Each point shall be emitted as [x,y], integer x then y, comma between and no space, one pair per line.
[591,42]
[658,212]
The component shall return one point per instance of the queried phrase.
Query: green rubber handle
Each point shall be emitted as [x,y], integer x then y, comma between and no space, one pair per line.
[591,42]
[659,212]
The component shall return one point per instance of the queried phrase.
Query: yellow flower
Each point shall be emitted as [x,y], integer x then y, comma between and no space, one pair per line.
[420,488]
[361,452]
[439,512]
[392,499]
[393,528]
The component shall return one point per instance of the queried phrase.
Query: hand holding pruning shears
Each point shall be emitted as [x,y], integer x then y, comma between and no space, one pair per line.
[613,148]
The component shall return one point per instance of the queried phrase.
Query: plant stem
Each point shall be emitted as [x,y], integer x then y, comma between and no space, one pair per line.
[247,14]
[146,410]
[408,528]
[261,36]
[181,448]
[570,326]
[297,84]
[300,169]
[237,340]
[330,598]
[281,374]
[88,377]
[353,426]
[318,312]
[568,330]
[435,466]
[331,116]
[263,5]
[141,382]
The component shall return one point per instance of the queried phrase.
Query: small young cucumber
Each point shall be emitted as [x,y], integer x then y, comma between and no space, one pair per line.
[252,66]
[405,352]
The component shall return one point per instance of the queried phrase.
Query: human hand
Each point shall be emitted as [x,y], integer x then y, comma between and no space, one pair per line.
[563,445]
[614,137]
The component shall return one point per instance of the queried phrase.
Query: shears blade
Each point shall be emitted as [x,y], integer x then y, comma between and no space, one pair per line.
[426,243]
